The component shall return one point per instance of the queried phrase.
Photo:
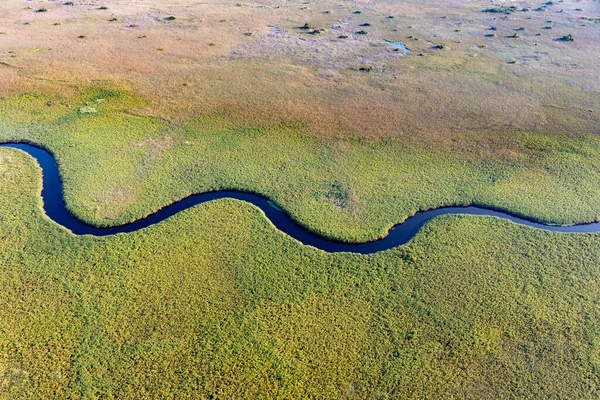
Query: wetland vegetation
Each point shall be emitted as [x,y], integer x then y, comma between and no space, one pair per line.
[118,167]
[216,303]
[489,107]
[465,307]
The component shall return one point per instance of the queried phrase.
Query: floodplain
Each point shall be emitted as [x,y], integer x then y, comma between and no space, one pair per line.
[351,117]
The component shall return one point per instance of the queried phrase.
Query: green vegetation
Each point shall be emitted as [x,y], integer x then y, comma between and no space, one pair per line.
[119,166]
[214,303]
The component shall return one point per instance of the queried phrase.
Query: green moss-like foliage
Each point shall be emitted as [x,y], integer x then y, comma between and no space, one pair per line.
[214,303]
[119,166]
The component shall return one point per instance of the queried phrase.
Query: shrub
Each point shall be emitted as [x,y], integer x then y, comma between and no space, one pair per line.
[566,38]
[501,10]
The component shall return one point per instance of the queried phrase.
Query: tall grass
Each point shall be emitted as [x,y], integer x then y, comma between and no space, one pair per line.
[118,166]
[214,303]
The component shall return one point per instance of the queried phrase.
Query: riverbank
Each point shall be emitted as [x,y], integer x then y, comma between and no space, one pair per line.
[55,209]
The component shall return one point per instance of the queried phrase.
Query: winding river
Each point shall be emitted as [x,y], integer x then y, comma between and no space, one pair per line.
[54,206]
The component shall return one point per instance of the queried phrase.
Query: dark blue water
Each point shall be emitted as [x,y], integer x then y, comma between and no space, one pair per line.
[54,206]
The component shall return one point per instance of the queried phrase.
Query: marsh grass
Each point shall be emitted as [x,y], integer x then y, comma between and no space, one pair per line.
[215,303]
[118,166]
